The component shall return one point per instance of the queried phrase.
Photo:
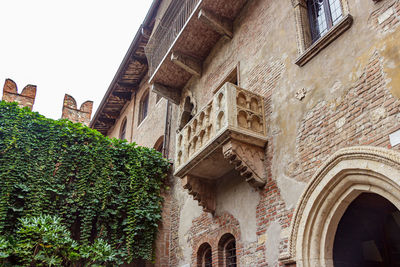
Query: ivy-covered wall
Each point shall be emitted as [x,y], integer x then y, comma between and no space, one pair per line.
[100,187]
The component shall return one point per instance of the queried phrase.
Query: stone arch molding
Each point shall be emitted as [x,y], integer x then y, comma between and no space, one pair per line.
[345,175]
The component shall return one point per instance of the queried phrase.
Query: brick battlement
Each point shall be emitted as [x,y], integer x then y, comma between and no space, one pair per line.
[25,99]
[71,112]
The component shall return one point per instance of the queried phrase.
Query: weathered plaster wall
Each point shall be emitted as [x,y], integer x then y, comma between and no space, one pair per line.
[238,198]
[147,132]
[351,89]
[350,94]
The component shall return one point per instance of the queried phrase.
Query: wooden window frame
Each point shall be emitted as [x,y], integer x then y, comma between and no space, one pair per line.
[307,49]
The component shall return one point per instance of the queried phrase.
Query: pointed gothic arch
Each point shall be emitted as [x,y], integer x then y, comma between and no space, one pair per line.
[345,175]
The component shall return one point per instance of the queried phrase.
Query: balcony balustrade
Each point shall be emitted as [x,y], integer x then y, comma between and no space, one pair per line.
[228,133]
[183,39]
[168,30]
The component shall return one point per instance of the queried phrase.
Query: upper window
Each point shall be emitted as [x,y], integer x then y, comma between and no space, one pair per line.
[323,15]
[122,132]
[319,23]
[143,108]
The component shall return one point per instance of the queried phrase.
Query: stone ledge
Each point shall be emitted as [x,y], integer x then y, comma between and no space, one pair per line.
[325,40]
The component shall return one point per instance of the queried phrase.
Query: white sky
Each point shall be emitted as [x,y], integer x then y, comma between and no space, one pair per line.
[69,46]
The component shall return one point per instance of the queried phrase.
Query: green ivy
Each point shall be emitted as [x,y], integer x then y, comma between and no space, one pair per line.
[99,187]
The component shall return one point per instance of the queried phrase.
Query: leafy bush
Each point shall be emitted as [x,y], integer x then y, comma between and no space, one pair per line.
[44,241]
[98,187]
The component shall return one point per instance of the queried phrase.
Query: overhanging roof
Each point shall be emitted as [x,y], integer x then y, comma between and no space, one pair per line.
[128,77]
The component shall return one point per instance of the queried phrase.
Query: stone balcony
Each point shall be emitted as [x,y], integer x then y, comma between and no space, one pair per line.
[228,133]
[183,39]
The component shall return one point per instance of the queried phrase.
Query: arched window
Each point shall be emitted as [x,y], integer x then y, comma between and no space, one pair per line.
[204,256]
[159,145]
[323,15]
[122,132]
[227,251]
[143,108]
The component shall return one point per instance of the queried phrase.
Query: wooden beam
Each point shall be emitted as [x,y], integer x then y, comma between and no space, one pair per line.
[128,86]
[111,114]
[146,32]
[220,25]
[172,94]
[141,60]
[123,95]
[188,63]
[106,121]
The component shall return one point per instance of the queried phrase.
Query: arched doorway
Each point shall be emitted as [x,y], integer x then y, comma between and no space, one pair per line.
[349,177]
[368,234]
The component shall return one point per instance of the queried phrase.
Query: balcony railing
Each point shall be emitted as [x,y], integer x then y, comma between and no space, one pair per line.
[232,113]
[171,24]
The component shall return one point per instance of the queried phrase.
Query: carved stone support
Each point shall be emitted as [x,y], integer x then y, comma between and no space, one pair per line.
[248,160]
[202,190]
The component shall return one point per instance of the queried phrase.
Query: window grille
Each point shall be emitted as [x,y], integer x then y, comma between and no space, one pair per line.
[230,254]
[204,256]
[207,258]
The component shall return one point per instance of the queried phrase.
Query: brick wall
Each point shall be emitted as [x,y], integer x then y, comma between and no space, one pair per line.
[363,111]
[25,99]
[215,227]
[366,115]
[71,112]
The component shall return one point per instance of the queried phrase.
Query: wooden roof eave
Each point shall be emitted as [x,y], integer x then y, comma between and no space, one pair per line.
[127,78]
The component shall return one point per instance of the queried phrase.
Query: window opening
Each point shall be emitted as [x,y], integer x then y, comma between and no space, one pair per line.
[144,105]
[207,258]
[159,145]
[230,253]
[323,15]
[122,133]
[232,77]
[204,256]
[227,251]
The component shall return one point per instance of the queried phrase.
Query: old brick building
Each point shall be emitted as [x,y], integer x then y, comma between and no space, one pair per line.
[282,118]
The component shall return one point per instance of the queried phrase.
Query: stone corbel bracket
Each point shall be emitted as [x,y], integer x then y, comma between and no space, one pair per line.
[202,190]
[246,157]
[248,160]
